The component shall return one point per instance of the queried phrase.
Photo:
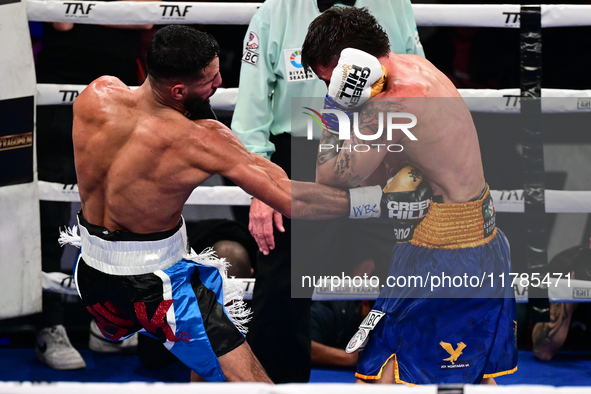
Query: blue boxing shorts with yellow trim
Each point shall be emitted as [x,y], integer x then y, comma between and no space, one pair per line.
[445,334]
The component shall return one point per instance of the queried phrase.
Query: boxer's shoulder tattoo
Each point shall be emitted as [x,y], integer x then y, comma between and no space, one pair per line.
[343,169]
[343,164]
[341,155]
[370,114]
[326,155]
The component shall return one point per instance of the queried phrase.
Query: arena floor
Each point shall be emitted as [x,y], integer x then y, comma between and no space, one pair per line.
[567,369]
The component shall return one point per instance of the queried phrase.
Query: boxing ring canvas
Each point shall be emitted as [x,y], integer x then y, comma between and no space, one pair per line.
[20,249]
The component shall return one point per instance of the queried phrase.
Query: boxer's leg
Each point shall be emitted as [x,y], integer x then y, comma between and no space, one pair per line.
[387,375]
[240,365]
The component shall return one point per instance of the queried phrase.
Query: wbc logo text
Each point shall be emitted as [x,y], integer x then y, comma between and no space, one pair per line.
[345,128]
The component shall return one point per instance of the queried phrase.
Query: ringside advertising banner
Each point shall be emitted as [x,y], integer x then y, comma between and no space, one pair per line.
[20,240]
[16,141]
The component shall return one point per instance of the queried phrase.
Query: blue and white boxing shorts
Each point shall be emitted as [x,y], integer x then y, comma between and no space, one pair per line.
[151,283]
[445,334]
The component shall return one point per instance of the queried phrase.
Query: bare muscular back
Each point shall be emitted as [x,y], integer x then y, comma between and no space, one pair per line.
[137,162]
[446,151]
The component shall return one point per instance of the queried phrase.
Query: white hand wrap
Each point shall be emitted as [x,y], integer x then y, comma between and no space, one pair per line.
[364,202]
[353,77]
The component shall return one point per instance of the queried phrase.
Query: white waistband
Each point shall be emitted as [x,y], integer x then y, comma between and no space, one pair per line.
[132,257]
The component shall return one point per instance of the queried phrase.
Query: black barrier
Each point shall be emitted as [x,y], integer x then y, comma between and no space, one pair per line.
[16,141]
[533,157]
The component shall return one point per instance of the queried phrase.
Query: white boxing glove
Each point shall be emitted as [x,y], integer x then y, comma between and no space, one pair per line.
[357,77]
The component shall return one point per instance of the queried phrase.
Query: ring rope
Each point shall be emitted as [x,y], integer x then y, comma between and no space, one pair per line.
[137,13]
[56,94]
[557,201]
[141,12]
[478,100]
[202,195]
[572,290]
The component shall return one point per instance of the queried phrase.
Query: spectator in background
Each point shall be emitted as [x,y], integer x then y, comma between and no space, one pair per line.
[71,54]
[471,57]
[567,320]
[229,239]
[271,74]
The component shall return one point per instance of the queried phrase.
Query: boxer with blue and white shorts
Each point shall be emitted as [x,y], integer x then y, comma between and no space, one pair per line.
[150,283]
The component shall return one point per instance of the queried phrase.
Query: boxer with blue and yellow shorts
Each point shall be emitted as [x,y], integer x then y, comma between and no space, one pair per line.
[445,334]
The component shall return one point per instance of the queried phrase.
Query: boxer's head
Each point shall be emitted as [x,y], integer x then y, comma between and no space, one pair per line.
[184,62]
[342,27]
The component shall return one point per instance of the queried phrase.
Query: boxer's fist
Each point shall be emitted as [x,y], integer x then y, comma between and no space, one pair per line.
[406,197]
[357,77]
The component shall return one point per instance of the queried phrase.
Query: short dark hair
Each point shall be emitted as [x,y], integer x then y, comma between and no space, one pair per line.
[343,27]
[182,52]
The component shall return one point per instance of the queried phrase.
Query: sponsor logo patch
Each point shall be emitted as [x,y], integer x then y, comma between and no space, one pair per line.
[251,48]
[294,71]
[184,337]
[360,337]
[174,12]
[250,57]
[403,230]
[253,42]
[357,341]
[489,216]
[511,18]
[69,95]
[16,141]
[77,9]
[453,356]
[581,293]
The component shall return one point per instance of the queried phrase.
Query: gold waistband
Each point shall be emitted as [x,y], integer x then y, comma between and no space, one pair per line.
[457,226]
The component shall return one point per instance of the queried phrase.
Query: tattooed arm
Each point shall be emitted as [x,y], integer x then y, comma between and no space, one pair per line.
[350,162]
[549,337]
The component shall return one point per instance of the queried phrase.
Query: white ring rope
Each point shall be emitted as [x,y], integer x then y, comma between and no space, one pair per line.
[478,100]
[137,13]
[53,94]
[140,12]
[508,100]
[203,195]
[467,15]
[564,291]
[557,201]
[134,387]
[565,15]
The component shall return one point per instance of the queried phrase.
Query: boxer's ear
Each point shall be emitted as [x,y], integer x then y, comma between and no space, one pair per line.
[178,91]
